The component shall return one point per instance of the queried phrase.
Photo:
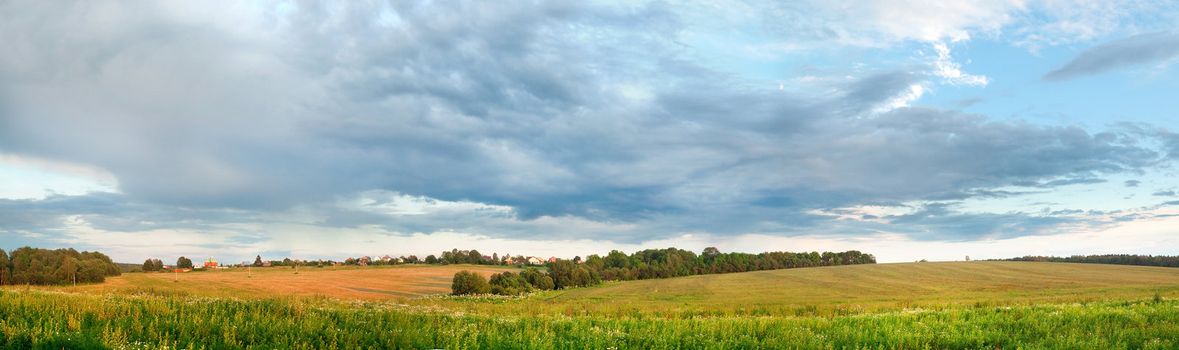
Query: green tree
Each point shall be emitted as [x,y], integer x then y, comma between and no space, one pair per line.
[467,282]
[68,271]
[509,283]
[4,277]
[183,263]
[431,259]
[258,261]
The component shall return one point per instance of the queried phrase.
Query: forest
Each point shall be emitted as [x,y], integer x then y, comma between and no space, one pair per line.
[1113,259]
[35,266]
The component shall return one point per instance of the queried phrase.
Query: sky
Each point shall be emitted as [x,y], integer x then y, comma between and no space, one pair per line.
[910,130]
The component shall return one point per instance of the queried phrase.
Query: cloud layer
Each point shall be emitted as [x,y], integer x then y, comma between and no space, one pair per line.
[624,123]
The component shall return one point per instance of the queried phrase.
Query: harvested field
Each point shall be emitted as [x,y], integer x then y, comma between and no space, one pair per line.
[364,283]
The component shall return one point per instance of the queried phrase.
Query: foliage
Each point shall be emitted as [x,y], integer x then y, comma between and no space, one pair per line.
[1114,259]
[5,270]
[509,283]
[153,265]
[467,282]
[183,263]
[61,266]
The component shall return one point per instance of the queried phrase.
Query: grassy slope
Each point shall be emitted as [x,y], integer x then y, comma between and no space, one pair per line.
[869,307]
[857,289]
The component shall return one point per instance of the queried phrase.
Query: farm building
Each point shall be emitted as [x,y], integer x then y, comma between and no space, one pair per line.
[532,260]
[211,263]
[552,259]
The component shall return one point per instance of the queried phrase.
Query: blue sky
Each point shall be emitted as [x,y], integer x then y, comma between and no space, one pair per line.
[924,129]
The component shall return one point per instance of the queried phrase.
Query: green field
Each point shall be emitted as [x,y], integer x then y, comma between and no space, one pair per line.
[979,305]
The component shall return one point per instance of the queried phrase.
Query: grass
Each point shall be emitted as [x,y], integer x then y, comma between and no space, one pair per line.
[856,289]
[977,305]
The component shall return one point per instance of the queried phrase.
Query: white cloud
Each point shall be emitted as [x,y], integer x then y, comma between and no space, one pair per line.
[904,99]
[397,204]
[25,177]
[951,72]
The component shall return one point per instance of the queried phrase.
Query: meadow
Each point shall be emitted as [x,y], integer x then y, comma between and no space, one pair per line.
[976,305]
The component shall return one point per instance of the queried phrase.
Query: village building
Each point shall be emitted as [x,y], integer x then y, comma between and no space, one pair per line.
[532,260]
[553,259]
[211,263]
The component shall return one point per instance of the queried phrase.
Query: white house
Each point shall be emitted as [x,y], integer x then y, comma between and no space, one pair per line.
[532,260]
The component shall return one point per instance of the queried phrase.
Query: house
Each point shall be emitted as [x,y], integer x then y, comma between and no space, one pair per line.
[532,260]
[386,259]
[400,260]
[211,263]
[553,259]
[364,261]
[509,261]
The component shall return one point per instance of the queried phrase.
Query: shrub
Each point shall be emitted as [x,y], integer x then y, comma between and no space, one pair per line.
[467,282]
[509,283]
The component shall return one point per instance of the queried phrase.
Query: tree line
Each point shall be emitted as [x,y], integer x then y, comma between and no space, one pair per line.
[37,266]
[1113,259]
[644,264]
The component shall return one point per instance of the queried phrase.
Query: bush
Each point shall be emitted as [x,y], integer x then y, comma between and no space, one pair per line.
[467,282]
[509,283]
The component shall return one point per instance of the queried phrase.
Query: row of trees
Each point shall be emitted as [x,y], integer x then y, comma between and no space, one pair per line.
[155,265]
[647,264]
[1114,259]
[672,262]
[61,266]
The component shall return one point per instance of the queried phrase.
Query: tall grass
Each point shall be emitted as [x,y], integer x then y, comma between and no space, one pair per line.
[36,319]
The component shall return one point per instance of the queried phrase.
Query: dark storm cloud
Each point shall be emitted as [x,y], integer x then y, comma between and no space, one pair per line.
[1131,51]
[555,109]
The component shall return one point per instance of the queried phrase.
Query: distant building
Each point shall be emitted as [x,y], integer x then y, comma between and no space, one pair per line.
[509,261]
[532,260]
[553,259]
[211,263]
[364,261]
[386,258]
